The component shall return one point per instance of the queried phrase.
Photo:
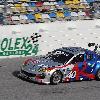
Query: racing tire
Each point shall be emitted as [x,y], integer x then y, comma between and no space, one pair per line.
[56,78]
[98,75]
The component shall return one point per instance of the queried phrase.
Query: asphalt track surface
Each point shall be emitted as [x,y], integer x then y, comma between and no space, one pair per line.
[13,88]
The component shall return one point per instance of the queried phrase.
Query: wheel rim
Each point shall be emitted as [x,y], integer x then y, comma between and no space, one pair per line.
[56,77]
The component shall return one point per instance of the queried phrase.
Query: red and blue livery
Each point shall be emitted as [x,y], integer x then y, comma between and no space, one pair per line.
[65,64]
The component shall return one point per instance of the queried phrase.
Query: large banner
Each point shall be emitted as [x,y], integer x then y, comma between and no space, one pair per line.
[40,38]
[20,45]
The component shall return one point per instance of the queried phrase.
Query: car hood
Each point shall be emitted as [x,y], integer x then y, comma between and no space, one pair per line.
[40,63]
[47,63]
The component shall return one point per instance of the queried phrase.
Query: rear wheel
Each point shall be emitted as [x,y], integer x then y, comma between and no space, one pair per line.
[98,75]
[56,77]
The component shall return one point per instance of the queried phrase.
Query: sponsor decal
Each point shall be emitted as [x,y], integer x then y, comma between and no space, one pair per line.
[20,45]
[78,74]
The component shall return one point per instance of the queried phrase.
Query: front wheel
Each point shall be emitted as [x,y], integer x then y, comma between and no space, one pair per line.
[56,77]
[98,75]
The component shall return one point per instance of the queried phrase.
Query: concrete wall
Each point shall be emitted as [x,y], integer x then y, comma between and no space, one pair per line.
[53,35]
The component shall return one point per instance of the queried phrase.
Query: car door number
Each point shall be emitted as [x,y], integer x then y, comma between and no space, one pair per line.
[72,74]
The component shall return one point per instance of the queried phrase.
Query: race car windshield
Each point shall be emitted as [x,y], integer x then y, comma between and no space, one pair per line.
[60,56]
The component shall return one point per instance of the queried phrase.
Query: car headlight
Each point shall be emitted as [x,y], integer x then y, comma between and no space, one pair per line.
[42,69]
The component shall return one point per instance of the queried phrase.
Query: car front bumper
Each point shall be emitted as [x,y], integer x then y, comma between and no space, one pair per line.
[34,78]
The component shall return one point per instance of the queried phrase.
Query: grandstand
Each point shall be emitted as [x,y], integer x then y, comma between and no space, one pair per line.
[13,12]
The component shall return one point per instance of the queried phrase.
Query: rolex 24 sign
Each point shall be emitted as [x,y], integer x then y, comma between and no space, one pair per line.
[20,45]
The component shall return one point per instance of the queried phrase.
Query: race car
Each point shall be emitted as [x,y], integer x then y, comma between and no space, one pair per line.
[65,64]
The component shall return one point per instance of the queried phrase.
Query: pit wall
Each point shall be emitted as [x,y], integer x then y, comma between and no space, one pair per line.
[38,39]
